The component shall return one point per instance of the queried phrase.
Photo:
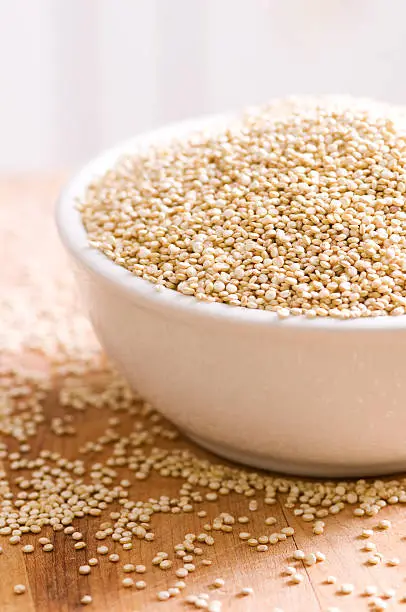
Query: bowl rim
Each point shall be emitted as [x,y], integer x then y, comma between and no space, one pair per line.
[73,235]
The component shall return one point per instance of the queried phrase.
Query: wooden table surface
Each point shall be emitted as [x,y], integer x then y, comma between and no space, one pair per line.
[52,580]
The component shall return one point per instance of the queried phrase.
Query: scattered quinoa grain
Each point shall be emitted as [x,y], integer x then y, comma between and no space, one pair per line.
[48,547]
[140,584]
[190,567]
[384,524]
[373,560]
[370,590]
[378,605]
[247,591]
[180,584]
[165,564]
[19,589]
[310,559]
[28,548]
[92,561]
[297,578]
[173,591]
[393,561]
[299,555]
[346,588]
[289,531]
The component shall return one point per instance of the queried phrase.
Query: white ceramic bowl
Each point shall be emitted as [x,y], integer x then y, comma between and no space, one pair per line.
[316,397]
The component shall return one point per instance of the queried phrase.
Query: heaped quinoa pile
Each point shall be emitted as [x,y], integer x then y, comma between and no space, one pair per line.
[297,207]
[53,377]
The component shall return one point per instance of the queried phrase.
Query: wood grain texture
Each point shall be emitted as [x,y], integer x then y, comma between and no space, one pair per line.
[52,579]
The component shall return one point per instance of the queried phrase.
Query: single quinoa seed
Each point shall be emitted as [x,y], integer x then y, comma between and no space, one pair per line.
[140,585]
[346,588]
[19,589]
[378,605]
[247,591]
[310,559]
[28,548]
[393,561]
[370,590]
[93,561]
[86,600]
[48,548]
[299,555]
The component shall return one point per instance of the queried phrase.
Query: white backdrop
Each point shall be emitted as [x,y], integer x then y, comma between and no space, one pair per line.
[78,75]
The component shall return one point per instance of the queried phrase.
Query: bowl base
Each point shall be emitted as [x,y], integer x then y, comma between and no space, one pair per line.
[302,468]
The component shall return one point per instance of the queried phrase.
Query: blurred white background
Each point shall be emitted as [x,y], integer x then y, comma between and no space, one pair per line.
[78,75]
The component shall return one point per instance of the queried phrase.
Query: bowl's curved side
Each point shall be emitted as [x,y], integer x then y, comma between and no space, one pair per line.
[326,404]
